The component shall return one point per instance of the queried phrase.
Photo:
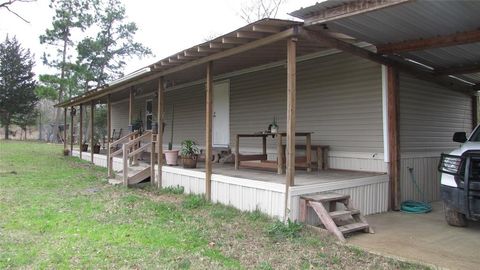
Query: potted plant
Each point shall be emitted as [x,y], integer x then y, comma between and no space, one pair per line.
[84,146]
[171,156]
[274,126]
[137,125]
[189,152]
[96,145]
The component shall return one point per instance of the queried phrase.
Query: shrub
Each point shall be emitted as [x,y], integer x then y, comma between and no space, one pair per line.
[281,230]
[193,201]
[174,189]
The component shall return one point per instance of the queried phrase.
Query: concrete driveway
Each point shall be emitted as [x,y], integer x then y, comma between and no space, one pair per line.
[425,238]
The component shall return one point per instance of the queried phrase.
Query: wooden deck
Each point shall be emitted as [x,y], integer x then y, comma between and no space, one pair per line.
[302,178]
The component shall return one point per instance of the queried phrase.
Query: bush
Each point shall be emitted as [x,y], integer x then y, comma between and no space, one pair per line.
[193,201]
[281,230]
[174,190]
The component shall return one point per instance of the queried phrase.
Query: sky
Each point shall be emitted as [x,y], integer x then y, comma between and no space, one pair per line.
[165,26]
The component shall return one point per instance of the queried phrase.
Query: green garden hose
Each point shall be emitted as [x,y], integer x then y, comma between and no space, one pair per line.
[415,207]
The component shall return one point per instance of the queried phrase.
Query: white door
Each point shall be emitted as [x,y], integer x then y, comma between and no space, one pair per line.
[221,114]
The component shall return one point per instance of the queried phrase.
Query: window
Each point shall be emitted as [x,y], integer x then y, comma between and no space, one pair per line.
[149,114]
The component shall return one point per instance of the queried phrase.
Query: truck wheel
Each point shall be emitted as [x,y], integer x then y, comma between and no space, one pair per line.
[454,218]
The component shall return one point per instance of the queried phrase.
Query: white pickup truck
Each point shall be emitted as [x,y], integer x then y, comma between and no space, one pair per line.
[460,184]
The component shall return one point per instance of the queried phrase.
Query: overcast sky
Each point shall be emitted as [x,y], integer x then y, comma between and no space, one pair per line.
[166,27]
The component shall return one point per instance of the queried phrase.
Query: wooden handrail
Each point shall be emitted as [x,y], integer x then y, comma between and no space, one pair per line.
[119,141]
[139,150]
[146,134]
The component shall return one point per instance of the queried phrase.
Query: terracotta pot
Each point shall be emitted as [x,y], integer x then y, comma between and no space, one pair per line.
[171,157]
[84,147]
[190,161]
[96,149]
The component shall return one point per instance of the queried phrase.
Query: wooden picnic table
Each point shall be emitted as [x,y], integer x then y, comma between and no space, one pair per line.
[280,155]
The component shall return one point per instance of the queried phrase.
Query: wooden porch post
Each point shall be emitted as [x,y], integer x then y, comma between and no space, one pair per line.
[92,105]
[291,110]
[71,130]
[474,111]
[109,135]
[80,132]
[160,114]
[65,128]
[208,131]
[130,110]
[393,136]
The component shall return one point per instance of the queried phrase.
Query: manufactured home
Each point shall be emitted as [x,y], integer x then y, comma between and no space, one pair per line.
[362,107]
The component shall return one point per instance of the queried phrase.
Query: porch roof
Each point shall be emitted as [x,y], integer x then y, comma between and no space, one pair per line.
[258,43]
[440,37]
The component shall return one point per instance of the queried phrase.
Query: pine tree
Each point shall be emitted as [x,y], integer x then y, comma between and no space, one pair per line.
[102,58]
[17,84]
[70,15]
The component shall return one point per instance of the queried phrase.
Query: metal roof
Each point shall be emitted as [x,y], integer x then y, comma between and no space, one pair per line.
[182,66]
[407,21]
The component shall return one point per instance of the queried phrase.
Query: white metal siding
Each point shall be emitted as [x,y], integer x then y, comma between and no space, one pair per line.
[339,98]
[425,174]
[430,114]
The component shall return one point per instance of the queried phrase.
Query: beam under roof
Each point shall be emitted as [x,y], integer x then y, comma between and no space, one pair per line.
[349,9]
[325,39]
[458,69]
[430,43]
[293,31]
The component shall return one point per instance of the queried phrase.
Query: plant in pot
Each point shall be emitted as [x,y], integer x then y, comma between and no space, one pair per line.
[273,126]
[171,156]
[84,146]
[137,125]
[189,152]
[96,145]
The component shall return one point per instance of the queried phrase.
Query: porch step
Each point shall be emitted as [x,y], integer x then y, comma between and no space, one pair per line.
[136,174]
[353,227]
[344,213]
[327,197]
[338,222]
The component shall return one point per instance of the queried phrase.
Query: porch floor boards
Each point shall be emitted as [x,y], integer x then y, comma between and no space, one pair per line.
[302,178]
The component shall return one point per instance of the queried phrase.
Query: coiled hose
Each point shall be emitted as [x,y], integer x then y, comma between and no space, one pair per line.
[415,207]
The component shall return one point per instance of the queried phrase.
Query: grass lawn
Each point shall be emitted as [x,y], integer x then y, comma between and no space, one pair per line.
[59,212]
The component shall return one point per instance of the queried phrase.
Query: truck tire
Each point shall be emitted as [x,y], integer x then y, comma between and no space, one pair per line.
[454,218]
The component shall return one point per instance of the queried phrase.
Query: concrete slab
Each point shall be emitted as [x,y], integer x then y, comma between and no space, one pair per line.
[425,238]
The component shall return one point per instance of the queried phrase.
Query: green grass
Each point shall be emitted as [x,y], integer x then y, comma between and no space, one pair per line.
[59,212]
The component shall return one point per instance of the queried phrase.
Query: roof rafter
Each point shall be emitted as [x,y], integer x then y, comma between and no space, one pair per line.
[430,43]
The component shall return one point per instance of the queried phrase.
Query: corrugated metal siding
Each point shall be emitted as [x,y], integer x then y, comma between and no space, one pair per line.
[368,198]
[245,198]
[425,174]
[430,114]
[338,98]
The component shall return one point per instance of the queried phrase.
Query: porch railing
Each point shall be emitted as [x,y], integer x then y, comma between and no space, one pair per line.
[131,148]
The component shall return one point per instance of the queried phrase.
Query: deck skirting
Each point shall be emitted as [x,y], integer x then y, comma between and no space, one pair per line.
[369,194]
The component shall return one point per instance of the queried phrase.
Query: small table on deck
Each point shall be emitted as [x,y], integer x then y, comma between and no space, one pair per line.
[263,156]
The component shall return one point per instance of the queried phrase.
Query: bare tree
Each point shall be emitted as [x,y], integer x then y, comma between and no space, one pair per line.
[6,5]
[254,10]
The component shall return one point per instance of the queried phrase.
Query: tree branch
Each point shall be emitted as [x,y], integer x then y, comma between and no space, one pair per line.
[10,2]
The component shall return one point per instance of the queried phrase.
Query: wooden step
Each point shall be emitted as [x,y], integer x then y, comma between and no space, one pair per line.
[353,227]
[344,213]
[326,197]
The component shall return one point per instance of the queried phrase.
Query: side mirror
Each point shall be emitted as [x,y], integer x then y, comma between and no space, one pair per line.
[460,137]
